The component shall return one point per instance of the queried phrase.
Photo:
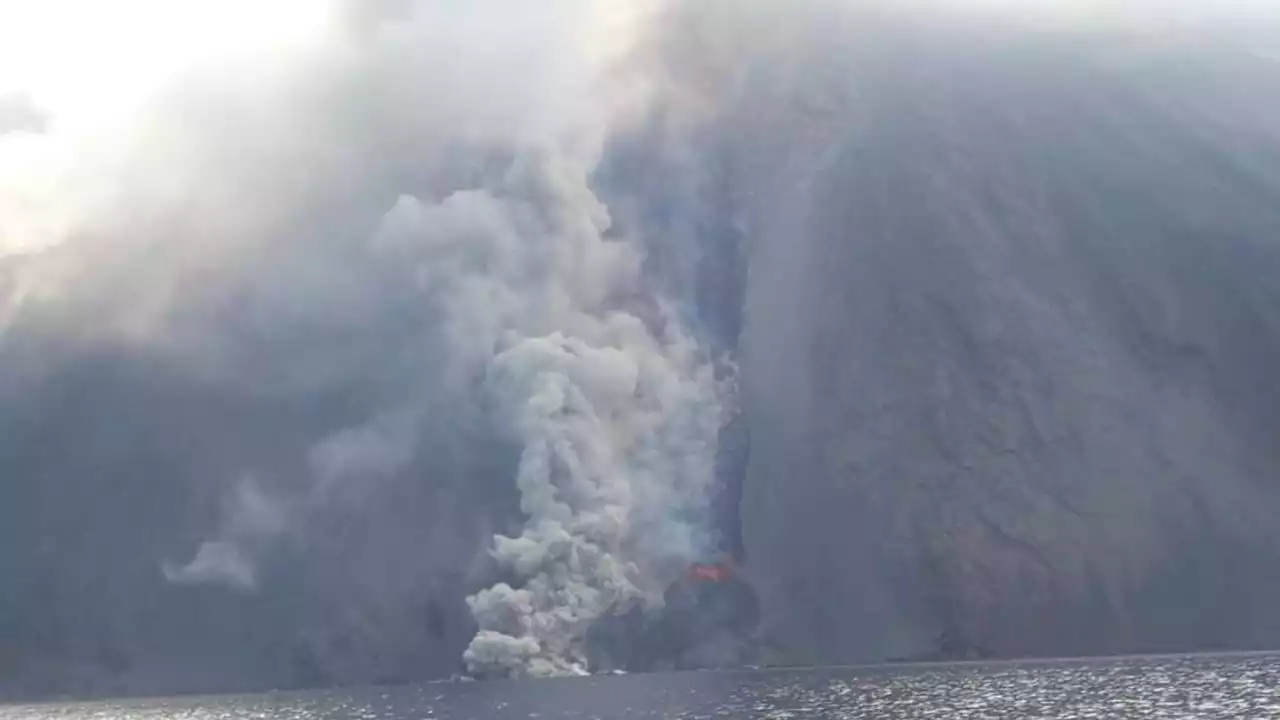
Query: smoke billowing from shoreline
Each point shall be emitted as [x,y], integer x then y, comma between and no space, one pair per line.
[251,229]
[614,407]
[430,323]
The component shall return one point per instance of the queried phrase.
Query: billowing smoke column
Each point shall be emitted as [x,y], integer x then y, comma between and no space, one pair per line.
[544,319]
[444,216]
[614,405]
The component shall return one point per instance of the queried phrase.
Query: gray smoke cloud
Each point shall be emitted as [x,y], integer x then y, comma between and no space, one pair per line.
[422,171]
[615,407]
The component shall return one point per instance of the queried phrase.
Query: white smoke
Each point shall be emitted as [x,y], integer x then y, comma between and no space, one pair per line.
[251,519]
[614,405]
[19,113]
[342,466]
[240,213]
[530,306]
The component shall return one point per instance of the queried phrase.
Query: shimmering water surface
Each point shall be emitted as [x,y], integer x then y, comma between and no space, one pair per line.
[1166,688]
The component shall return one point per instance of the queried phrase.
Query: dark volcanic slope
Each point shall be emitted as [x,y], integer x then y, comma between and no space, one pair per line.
[1012,319]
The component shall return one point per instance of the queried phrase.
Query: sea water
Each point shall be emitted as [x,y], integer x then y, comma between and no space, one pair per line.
[1201,687]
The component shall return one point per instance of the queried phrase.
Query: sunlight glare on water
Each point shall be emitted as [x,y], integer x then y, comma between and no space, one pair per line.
[1175,688]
